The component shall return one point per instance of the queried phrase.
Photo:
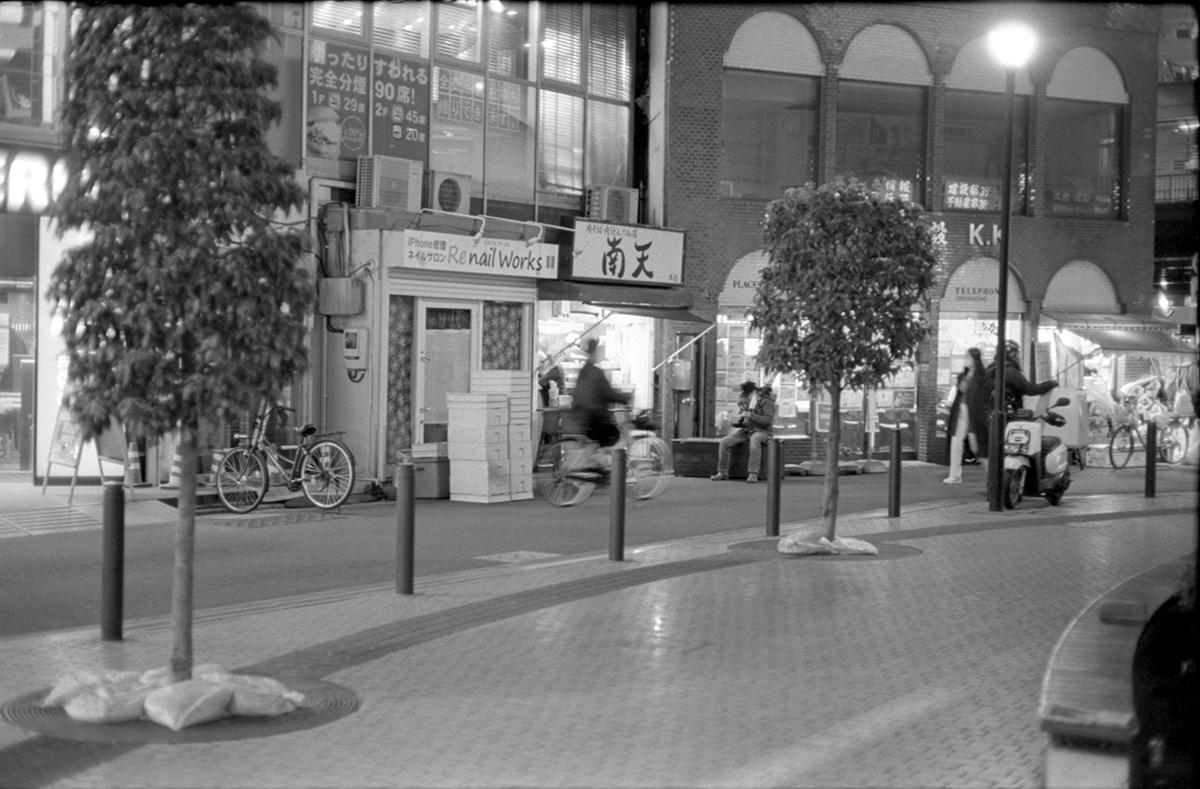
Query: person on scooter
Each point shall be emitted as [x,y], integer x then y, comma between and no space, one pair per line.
[1016,386]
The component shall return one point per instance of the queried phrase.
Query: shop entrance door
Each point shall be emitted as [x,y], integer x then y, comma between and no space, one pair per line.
[444,354]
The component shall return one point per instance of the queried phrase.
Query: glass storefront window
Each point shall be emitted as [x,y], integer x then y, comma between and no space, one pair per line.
[32,42]
[458,31]
[562,44]
[456,125]
[973,152]
[510,40]
[402,26]
[769,129]
[510,141]
[881,136]
[338,16]
[608,143]
[609,60]
[1083,158]
[560,143]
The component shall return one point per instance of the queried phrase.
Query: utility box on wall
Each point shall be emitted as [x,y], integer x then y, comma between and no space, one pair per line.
[339,296]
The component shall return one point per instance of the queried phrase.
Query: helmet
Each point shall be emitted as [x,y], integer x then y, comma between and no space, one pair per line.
[1012,350]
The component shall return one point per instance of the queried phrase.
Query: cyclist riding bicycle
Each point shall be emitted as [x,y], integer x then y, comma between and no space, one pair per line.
[592,396]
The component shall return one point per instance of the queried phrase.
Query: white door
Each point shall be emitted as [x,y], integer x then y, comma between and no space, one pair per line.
[445,357]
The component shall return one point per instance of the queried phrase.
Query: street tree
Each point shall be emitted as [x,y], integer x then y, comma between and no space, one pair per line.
[836,300]
[187,303]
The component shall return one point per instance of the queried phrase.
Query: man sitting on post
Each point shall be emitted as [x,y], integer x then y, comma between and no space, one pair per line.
[755,426]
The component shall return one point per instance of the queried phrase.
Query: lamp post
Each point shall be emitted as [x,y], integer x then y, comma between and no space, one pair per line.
[1011,44]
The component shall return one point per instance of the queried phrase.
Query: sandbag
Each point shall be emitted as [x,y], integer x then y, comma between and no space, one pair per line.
[188,703]
[103,704]
[804,544]
[260,696]
[76,682]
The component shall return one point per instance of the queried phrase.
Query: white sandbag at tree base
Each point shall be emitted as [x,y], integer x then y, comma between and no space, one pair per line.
[100,704]
[812,543]
[115,696]
[188,703]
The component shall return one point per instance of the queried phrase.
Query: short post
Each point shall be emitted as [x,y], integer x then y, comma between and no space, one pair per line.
[1151,456]
[774,472]
[112,572]
[616,509]
[894,474]
[405,527]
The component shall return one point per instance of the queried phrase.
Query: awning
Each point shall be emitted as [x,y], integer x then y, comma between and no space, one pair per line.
[1134,342]
[1107,321]
[665,303]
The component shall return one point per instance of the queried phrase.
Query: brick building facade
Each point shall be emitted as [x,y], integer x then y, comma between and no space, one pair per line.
[1116,249]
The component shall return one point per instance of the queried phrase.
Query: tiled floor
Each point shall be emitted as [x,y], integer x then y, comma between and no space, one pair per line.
[690,665]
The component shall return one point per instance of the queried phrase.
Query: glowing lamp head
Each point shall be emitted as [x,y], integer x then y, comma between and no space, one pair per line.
[1011,44]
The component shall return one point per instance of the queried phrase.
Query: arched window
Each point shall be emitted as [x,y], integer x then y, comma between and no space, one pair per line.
[770,98]
[882,112]
[1085,123]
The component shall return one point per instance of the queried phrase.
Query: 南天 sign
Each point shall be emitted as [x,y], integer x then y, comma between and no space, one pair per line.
[30,180]
[468,255]
[630,254]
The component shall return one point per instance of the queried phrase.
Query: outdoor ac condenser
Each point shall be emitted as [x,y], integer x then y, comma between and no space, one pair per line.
[389,182]
[612,204]
[448,192]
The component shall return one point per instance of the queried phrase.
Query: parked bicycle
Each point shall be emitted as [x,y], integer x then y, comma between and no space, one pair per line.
[1130,435]
[320,465]
[569,470]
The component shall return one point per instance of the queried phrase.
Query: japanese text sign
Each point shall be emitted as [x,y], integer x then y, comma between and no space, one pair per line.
[400,106]
[464,254]
[628,253]
[338,100]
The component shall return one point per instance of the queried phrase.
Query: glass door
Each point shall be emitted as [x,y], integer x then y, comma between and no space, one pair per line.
[446,355]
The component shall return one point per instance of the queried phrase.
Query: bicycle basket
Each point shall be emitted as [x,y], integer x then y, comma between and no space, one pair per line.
[644,420]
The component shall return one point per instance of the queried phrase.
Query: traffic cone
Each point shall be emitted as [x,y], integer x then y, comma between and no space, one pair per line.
[176,476]
[133,467]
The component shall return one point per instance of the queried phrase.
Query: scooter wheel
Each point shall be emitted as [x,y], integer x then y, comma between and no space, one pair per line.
[1014,483]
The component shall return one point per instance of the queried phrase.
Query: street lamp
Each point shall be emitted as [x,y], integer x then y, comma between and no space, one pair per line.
[1011,44]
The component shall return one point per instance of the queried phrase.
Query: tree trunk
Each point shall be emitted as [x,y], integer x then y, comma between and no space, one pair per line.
[185,539]
[832,463]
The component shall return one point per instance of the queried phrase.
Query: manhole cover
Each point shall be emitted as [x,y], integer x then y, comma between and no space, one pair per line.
[324,702]
[887,550]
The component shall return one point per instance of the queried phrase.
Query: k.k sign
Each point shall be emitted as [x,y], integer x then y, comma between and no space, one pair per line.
[626,253]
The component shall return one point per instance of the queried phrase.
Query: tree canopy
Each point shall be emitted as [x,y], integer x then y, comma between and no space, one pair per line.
[186,300]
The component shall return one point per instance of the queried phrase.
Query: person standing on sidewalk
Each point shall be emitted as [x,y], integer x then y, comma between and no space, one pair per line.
[756,427]
[959,426]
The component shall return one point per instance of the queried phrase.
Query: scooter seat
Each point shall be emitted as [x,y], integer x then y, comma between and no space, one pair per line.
[1050,442]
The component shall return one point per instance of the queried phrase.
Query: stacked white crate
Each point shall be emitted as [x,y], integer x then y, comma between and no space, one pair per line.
[478,447]
[517,386]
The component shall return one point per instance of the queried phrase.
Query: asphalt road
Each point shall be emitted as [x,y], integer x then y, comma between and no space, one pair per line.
[52,581]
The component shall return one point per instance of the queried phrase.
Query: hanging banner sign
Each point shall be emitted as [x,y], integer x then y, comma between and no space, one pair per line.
[400,107]
[629,254]
[338,99]
[464,254]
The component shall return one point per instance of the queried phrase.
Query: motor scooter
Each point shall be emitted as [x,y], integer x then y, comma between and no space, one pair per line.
[1035,465]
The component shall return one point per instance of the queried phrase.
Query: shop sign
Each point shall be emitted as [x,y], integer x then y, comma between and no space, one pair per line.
[506,257]
[400,106]
[973,287]
[976,235]
[742,282]
[30,180]
[338,98]
[630,254]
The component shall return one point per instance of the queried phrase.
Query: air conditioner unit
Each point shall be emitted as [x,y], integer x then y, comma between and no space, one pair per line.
[448,192]
[612,204]
[389,182]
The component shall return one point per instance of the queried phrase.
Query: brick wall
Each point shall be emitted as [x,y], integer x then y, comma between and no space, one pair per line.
[720,230]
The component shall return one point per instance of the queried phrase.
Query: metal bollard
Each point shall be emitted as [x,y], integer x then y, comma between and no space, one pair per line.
[1151,457]
[774,472]
[894,475]
[405,527]
[616,510]
[112,572]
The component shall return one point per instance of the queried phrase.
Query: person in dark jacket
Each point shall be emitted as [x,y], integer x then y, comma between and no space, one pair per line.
[958,425]
[755,426]
[592,396]
[1016,386]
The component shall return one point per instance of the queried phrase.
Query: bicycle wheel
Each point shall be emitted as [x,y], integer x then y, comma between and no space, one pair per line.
[1173,443]
[327,474]
[650,469]
[242,480]
[553,476]
[1120,448]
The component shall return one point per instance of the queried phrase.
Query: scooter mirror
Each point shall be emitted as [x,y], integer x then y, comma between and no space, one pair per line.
[1061,402]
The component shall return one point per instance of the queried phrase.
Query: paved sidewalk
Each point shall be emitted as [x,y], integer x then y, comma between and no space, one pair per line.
[707,662]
